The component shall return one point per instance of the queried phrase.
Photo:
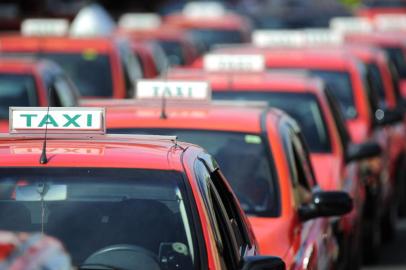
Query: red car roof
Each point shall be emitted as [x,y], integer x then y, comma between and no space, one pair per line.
[107,151]
[202,117]
[68,44]
[246,81]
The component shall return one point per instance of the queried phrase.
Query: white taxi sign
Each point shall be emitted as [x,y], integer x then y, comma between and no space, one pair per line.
[44,27]
[234,62]
[316,36]
[30,120]
[175,90]
[265,38]
[141,21]
[389,22]
[204,9]
[351,24]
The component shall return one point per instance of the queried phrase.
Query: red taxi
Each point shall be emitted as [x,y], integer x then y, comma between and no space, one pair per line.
[308,101]
[346,76]
[99,66]
[209,23]
[373,8]
[31,82]
[120,201]
[262,154]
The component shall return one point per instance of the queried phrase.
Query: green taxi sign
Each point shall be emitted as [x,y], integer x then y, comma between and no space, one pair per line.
[28,120]
[171,89]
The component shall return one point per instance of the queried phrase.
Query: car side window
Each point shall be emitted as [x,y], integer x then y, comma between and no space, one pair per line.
[52,97]
[300,185]
[221,222]
[338,120]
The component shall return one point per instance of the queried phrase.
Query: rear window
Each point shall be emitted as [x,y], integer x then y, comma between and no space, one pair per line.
[105,216]
[16,90]
[304,108]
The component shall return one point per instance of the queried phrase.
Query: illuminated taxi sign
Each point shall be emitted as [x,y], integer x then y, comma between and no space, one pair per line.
[29,120]
[350,24]
[204,9]
[295,38]
[234,62]
[135,21]
[388,22]
[44,27]
[321,36]
[177,90]
[265,38]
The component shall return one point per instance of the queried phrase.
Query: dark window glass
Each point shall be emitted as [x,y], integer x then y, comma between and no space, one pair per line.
[16,90]
[398,59]
[92,209]
[252,183]
[340,84]
[174,52]
[304,108]
[385,3]
[377,82]
[90,71]
[210,37]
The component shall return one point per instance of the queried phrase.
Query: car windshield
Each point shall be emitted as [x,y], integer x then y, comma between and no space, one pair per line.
[210,37]
[174,52]
[16,90]
[253,183]
[104,216]
[301,106]
[90,71]
[340,84]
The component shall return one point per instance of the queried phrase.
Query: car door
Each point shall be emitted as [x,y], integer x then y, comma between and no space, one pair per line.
[316,240]
[228,224]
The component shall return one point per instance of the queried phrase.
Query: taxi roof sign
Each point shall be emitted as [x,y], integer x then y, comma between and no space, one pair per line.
[135,21]
[265,38]
[58,120]
[351,24]
[45,27]
[234,62]
[174,90]
[210,9]
[296,38]
[388,22]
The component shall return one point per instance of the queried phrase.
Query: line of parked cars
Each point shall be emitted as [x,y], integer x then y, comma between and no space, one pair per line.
[193,141]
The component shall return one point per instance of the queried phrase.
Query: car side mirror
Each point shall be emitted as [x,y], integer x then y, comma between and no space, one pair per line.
[385,117]
[263,263]
[326,204]
[359,151]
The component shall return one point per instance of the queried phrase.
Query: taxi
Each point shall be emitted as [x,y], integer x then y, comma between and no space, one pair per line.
[274,179]
[209,23]
[32,82]
[170,207]
[179,48]
[99,66]
[307,100]
[347,78]
[371,9]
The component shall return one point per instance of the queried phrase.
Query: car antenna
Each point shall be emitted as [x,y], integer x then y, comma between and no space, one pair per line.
[43,159]
[163,104]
